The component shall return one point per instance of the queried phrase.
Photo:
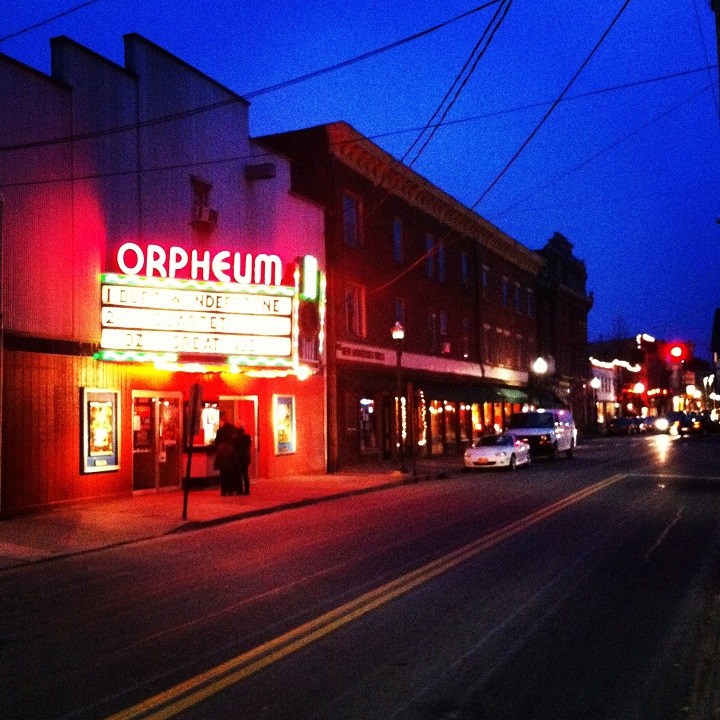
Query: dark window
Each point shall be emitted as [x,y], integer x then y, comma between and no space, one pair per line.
[464,270]
[430,255]
[398,240]
[351,221]
[355,310]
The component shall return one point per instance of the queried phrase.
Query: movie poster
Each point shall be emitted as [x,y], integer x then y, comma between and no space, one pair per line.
[100,415]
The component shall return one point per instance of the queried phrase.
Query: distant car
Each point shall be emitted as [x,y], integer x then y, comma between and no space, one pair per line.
[497,451]
[669,423]
[690,424]
[710,421]
[647,423]
[623,426]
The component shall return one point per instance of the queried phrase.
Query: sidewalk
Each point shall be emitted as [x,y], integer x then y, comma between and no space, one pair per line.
[99,524]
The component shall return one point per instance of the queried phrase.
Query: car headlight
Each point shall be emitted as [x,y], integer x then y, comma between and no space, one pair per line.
[662,424]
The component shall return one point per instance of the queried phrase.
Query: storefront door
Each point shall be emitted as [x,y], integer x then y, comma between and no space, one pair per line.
[157,440]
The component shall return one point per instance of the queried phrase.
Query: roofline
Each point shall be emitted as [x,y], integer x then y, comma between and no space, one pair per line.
[361,154]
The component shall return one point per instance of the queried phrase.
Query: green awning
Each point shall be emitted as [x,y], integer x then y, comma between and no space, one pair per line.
[513,395]
[471,393]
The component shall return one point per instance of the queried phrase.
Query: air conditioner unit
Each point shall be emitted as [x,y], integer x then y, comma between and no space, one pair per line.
[205,215]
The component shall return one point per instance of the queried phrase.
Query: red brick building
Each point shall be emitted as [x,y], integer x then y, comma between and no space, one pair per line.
[399,249]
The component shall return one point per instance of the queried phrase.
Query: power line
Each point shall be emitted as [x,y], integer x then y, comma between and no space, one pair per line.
[612,145]
[520,149]
[367,55]
[552,108]
[48,20]
[224,103]
[545,103]
[705,53]
[460,81]
[261,155]
[400,169]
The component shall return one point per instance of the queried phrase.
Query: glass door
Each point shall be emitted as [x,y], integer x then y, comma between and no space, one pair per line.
[157,440]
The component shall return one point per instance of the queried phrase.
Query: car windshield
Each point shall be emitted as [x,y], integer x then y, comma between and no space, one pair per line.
[493,440]
[530,420]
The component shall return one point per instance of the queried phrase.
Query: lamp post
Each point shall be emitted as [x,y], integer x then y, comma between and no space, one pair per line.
[595,385]
[539,368]
[398,337]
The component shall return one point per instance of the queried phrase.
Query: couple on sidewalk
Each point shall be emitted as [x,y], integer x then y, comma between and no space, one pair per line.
[232,458]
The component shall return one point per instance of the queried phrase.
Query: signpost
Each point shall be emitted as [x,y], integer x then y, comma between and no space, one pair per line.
[190,432]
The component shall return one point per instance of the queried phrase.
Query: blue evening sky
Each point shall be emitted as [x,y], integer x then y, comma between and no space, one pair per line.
[630,175]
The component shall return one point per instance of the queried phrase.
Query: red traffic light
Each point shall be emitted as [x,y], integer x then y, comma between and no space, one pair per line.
[677,352]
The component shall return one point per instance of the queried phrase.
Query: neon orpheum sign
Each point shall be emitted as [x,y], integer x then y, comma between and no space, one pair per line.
[151,315]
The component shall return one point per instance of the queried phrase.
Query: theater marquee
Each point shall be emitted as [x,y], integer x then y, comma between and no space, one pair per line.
[151,314]
[189,317]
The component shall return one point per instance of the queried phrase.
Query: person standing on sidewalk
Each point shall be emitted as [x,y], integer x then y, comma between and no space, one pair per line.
[243,444]
[226,459]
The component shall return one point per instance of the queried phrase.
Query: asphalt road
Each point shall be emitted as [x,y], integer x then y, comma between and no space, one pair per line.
[584,588]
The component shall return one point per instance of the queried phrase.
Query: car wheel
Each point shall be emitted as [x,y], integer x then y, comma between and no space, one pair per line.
[529,460]
[512,465]
[553,453]
[570,451]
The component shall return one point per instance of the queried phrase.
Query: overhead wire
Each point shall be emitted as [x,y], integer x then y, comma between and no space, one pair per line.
[460,81]
[367,55]
[260,155]
[239,98]
[399,167]
[536,129]
[47,21]
[705,53]
[607,148]
[518,152]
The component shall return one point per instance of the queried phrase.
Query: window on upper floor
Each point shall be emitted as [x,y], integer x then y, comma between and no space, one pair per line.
[530,303]
[443,324]
[464,268]
[485,281]
[355,310]
[505,291]
[518,304]
[202,216]
[441,261]
[352,227]
[430,255]
[397,240]
[520,352]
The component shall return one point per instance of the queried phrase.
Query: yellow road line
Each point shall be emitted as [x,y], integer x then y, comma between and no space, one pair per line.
[186,694]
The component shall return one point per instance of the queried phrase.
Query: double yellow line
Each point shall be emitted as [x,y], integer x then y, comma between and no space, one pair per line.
[180,697]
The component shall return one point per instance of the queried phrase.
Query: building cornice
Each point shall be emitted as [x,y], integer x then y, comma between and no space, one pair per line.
[364,157]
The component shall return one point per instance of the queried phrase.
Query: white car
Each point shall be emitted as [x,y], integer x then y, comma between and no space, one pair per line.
[497,451]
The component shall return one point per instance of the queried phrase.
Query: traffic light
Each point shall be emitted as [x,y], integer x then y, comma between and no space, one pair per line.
[677,352]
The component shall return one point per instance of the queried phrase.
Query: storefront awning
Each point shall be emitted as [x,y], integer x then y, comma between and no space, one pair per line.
[472,393]
[513,395]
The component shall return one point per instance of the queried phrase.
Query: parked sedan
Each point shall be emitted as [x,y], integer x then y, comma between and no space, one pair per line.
[497,451]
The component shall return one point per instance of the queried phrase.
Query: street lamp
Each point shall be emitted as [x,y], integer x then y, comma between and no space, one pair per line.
[398,337]
[595,385]
[539,368]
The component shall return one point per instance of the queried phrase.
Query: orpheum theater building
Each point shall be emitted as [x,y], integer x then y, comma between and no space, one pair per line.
[155,267]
